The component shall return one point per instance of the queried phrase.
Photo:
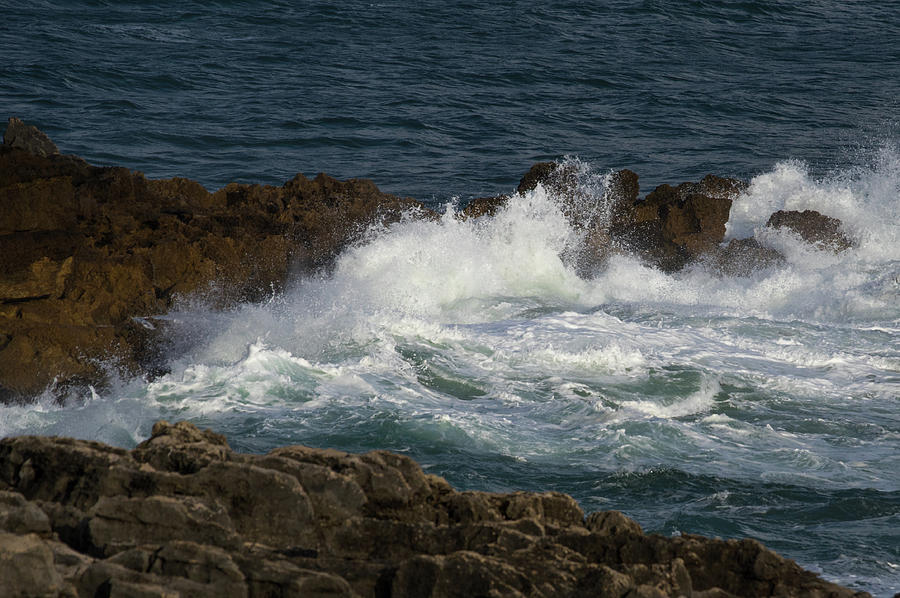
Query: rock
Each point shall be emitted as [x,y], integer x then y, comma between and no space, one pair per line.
[671,227]
[674,226]
[743,257]
[181,447]
[817,229]
[484,206]
[28,138]
[19,516]
[92,254]
[182,514]
[542,173]
[26,563]
[118,523]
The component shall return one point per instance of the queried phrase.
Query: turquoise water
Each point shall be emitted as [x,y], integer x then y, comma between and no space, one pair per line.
[762,406]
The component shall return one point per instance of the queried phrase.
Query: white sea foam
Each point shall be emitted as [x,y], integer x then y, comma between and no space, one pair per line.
[478,336]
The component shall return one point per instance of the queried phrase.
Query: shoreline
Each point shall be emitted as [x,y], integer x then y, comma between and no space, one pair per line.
[95,253]
[182,514]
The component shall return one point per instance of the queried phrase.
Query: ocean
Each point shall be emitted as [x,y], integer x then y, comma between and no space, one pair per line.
[765,406]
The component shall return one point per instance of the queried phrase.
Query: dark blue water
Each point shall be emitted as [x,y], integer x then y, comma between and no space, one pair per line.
[763,407]
[433,99]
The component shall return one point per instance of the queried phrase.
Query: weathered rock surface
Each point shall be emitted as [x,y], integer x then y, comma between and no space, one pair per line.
[86,250]
[673,226]
[813,227]
[28,138]
[183,515]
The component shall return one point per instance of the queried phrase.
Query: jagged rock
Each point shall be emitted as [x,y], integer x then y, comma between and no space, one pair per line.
[540,173]
[813,227]
[182,514]
[87,250]
[28,138]
[673,226]
[670,228]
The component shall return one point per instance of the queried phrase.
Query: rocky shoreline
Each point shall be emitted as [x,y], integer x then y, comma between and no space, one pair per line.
[184,515]
[93,254]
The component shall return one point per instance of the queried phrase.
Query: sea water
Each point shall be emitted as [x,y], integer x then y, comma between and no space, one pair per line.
[762,406]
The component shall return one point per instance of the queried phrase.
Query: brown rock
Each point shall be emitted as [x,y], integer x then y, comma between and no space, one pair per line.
[673,226]
[117,523]
[205,521]
[26,563]
[484,206]
[540,173]
[28,138]
[87,250]
[181,447]
[813,227]
[19,516]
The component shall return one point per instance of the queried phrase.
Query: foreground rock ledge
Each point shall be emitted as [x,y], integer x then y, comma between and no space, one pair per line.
[183,515]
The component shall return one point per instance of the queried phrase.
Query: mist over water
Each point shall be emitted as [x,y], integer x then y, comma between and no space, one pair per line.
[728,406]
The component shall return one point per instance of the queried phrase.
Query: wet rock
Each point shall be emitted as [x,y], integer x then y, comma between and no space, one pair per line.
[484,206]
[674,226]
[817,229]
[544,173]
[743,257]
[670,228]
[92,254]
[182,514]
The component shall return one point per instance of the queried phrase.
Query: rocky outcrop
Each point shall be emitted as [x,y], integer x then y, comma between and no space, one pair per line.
[89,254]
[28,138]
[183,515]
[668,229]
[817,229]
[673,226]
